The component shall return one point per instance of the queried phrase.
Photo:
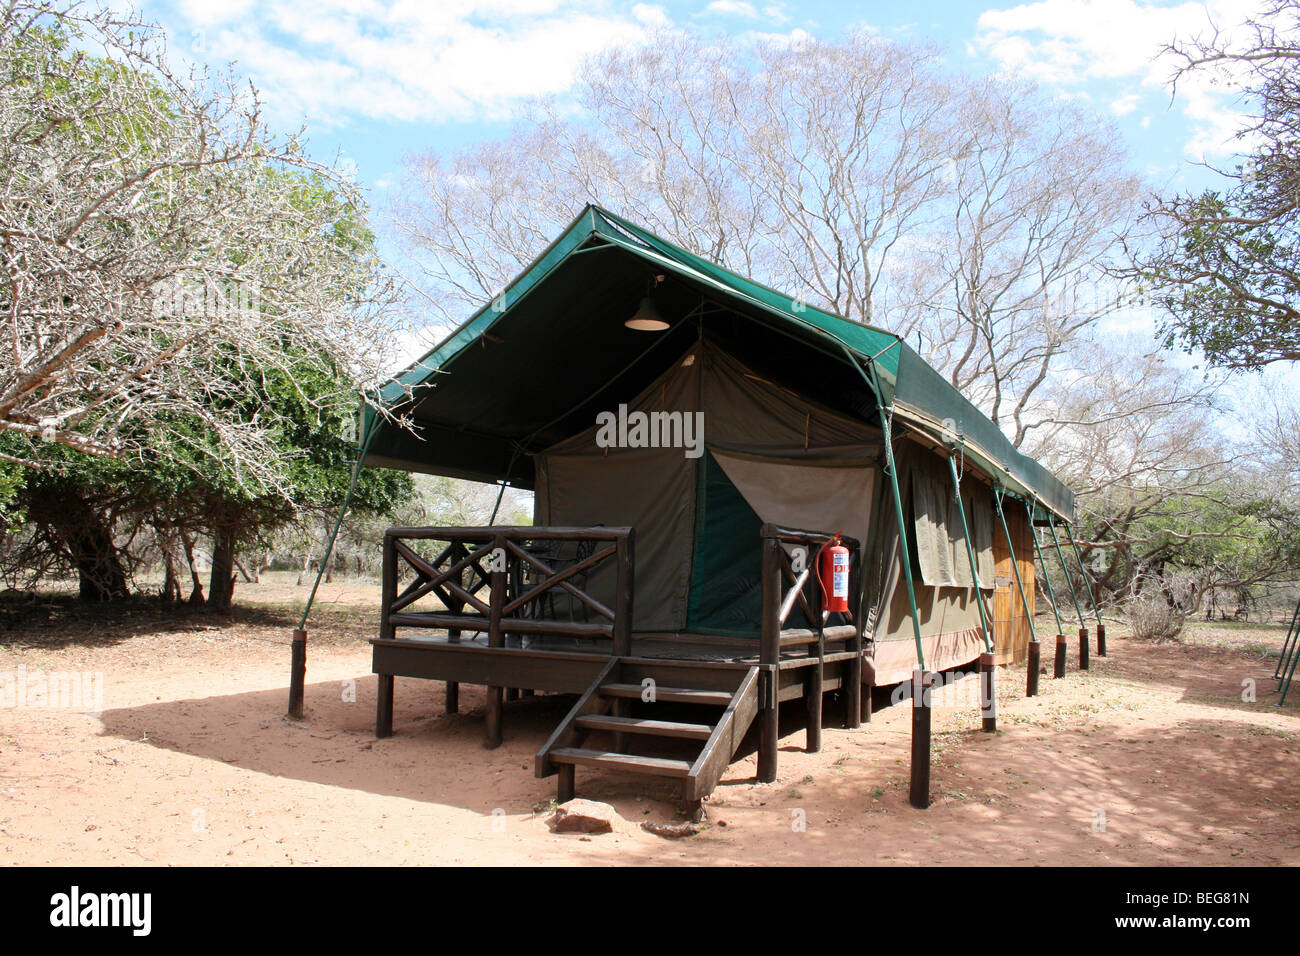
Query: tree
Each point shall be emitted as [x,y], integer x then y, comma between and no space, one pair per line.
[92,515]
[860,176]
[161,251]
[1226,266]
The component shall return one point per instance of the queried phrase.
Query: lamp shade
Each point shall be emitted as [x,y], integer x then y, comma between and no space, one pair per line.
[647,317]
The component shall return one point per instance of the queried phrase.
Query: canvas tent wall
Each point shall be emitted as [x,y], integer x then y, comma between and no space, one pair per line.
[767,455]
[792,397]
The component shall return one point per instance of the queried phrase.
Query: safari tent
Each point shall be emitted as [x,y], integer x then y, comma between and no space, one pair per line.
[693,440]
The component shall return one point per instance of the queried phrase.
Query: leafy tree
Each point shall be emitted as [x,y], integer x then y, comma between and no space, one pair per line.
[1226,267]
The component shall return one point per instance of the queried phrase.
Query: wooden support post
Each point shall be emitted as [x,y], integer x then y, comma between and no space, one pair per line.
[852,688]
[453,687]
[512,693]
[1101,640]
[988,694]
[1083,648]
[566,783]
[1059,670]
[815,681]
[388,588]
[496,638]
[868,686]
[769,727]
[625,555]
[813,697]
[1032,667]
[297,673]
[769,653]
[384,707]
[493,738]
[919,794]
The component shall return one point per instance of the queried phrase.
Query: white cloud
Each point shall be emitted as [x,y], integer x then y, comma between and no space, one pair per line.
[731,8]
[1072,42]
[403,60]
[1125,104]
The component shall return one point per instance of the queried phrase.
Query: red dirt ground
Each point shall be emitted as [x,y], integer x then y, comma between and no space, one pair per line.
[1151,757]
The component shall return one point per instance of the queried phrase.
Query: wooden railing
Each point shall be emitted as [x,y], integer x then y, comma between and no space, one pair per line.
[787,586]
[504,581]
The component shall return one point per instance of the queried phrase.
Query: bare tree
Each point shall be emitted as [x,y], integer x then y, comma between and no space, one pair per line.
[1012,280]
[860,176]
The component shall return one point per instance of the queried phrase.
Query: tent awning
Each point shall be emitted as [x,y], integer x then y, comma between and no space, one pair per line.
[533,366]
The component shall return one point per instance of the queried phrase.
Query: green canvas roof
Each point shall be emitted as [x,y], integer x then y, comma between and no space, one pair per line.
[534,366]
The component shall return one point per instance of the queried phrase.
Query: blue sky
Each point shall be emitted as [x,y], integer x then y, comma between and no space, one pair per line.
[377,79]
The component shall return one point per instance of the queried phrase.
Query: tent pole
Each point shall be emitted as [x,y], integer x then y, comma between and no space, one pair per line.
[1074,594]
[988,669]
[1047,581]
[904,553]
[1015,566]
[1092,598]
[298,646]
[1069,580]
[1035,655]
[970,553]
[921,679]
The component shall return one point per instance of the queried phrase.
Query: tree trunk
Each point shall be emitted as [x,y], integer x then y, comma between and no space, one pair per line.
[196,589]
[221,586]
[98,561]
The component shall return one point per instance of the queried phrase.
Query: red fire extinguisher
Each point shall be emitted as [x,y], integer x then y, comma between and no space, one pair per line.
[833,568]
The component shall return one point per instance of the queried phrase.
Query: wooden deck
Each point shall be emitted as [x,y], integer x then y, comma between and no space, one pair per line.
[499,640]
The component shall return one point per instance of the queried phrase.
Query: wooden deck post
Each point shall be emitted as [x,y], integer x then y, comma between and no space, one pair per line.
[769,655]
[853,692]
[869,685]
[813,697]
[495,638]
[1083,648]
[814,688]
[625,555]
[566,783]
[1032,667]
[919,793]
[384,707]
[453,687]
[988,678]
[297,673]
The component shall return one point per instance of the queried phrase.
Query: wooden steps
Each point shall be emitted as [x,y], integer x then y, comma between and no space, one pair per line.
[602,710]
[671,695]
[638,725]
[657,766]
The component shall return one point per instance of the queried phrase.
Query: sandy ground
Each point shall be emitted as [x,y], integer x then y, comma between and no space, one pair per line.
[1151,757]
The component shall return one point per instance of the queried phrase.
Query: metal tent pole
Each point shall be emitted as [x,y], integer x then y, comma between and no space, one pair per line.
[298,646]
[970,554]
[1051,596]
[1047,581]
[1291,634]
[1092,599]
[1015,565]
[922,681]
[1074,594]
[987,672]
